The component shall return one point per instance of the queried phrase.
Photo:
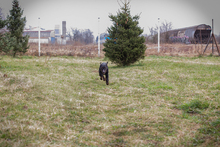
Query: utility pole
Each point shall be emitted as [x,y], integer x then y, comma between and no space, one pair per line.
[212,37]
[98,38]
[158,35]
[39,36]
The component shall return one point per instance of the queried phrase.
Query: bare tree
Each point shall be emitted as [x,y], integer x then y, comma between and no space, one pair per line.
[88,36]
[152,31]
[153,34]
[68,34]
[82,36]
[77,36]
[164,28]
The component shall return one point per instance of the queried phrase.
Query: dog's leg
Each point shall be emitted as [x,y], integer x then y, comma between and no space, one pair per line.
[107,79]
[101,75]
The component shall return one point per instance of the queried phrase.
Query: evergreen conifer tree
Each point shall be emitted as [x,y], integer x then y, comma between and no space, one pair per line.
[124,44]
[6,42]
[15,25]
[2,21]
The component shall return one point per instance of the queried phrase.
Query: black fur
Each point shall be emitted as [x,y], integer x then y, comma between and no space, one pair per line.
[103,70]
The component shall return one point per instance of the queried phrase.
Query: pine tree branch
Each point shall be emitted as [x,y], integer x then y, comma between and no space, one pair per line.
[119,3]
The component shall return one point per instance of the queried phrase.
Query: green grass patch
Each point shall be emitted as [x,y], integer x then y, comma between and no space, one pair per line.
[194,106]
[61,101]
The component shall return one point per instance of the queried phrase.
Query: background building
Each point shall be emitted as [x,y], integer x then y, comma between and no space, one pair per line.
[45,35]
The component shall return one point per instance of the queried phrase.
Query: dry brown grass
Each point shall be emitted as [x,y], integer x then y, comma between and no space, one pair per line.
[65,50]
[182,50]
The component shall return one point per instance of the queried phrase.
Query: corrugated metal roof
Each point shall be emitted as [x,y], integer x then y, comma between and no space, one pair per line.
[197,27]
[37,30]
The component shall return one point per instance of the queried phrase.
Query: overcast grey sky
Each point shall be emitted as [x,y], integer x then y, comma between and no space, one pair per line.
[83,14]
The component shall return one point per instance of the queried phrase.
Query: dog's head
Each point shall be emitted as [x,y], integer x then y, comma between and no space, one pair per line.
[104,67]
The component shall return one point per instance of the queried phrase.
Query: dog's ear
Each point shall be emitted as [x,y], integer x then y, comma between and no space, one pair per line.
[100,63]
[107,62]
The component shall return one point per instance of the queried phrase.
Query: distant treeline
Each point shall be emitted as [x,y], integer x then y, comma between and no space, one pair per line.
[80,36]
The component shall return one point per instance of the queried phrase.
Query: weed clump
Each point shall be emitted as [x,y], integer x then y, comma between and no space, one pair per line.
[195,106]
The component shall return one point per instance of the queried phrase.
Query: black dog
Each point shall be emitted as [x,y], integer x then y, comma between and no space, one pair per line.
[103,70]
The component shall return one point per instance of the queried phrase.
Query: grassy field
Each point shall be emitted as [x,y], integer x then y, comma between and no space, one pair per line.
[60,101]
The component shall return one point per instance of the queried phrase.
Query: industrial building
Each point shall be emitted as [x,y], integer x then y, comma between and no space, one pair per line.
[33,33]
[47,36]
[193,34]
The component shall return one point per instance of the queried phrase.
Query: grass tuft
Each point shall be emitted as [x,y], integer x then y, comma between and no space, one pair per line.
[194,106]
